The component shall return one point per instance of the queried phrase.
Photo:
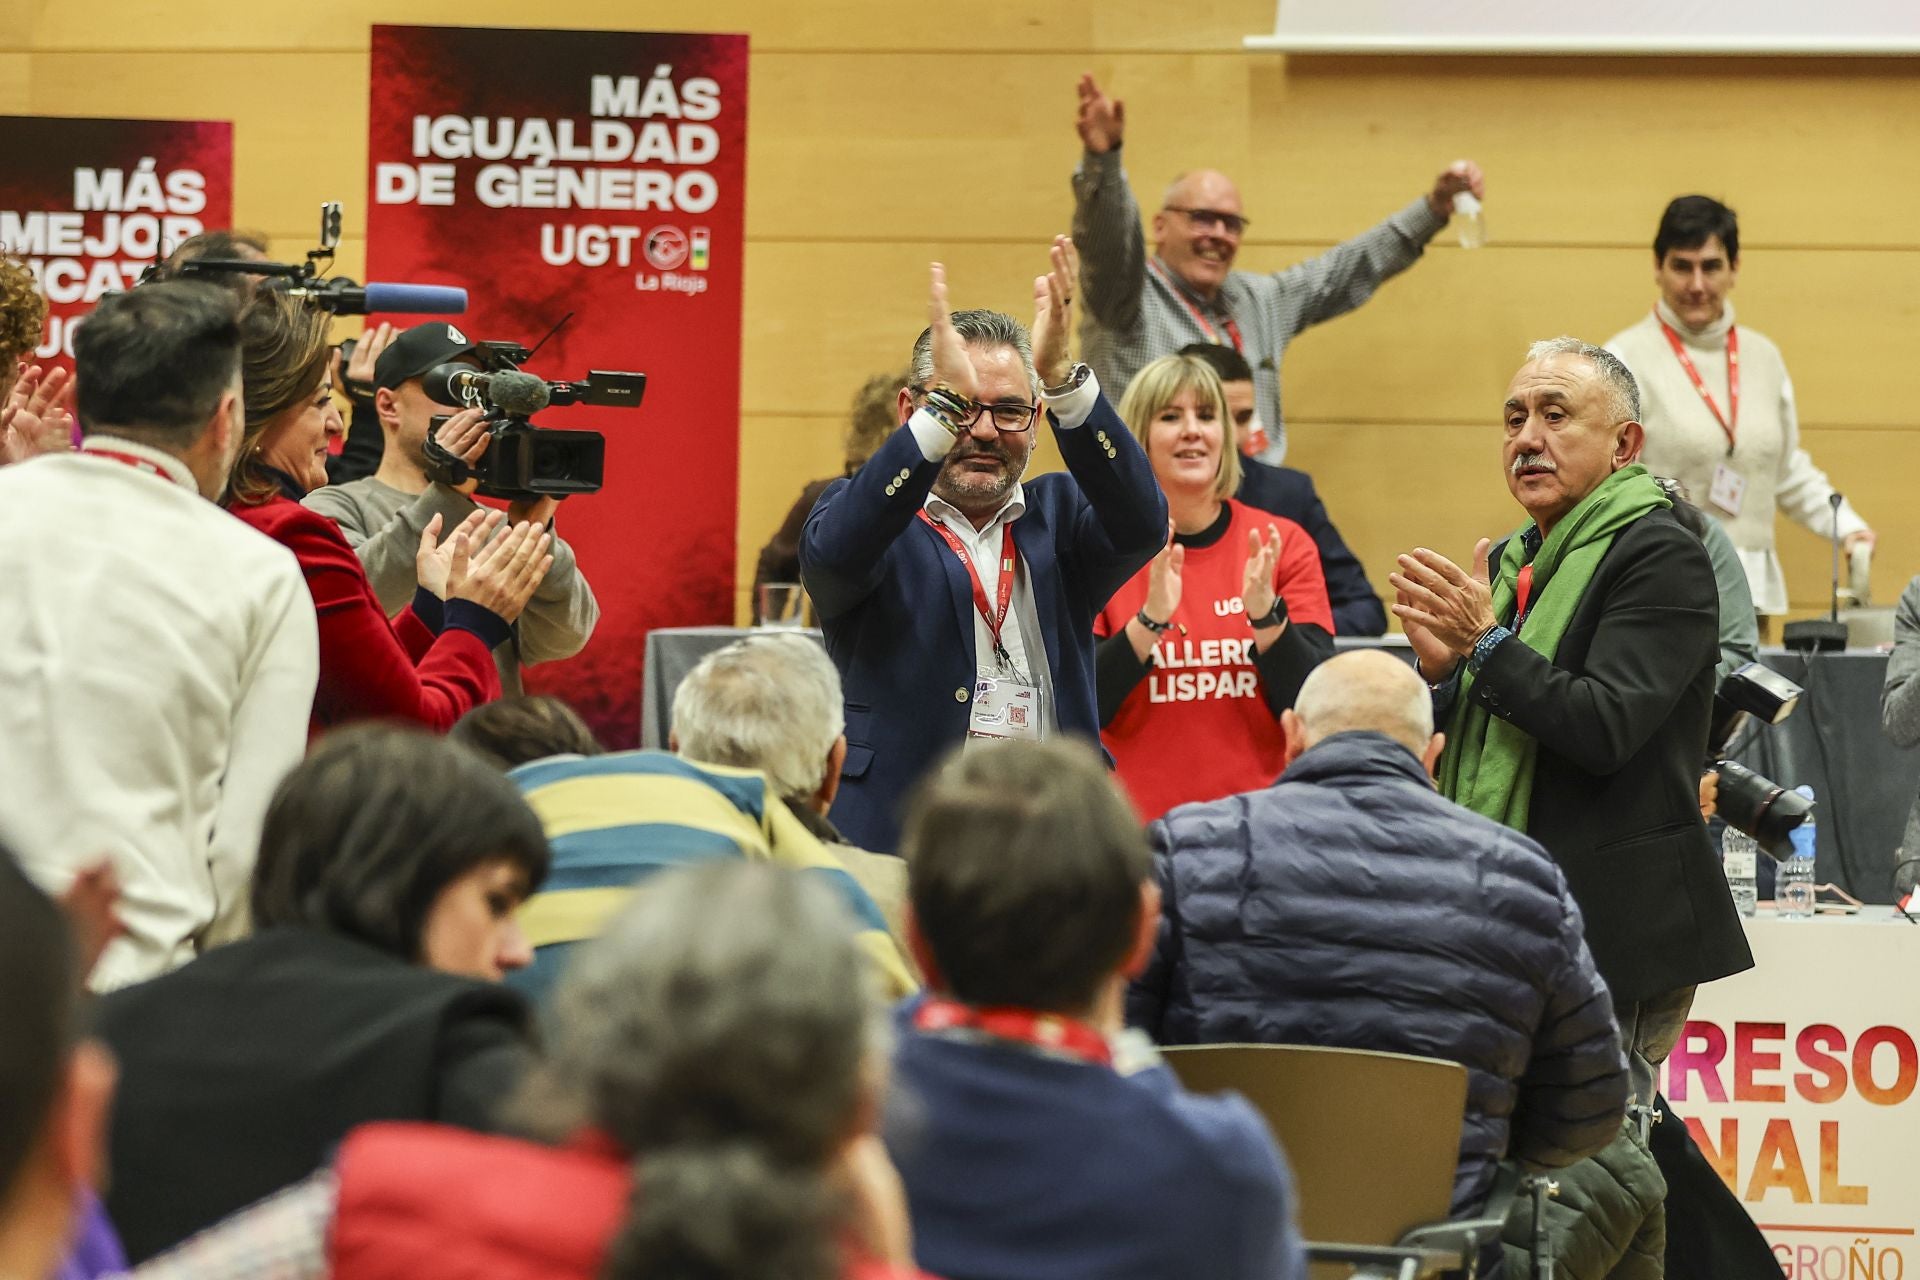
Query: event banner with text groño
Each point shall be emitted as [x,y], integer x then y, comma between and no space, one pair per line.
[90,204]
[596,175]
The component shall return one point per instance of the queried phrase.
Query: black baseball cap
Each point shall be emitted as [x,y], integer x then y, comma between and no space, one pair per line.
[418,350]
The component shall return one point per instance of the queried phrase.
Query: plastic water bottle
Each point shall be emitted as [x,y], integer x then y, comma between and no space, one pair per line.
[1740,858]
[1793,891]
[1472,223]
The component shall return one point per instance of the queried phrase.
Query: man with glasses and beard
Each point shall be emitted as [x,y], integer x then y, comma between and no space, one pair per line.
[958,600]
[1141,307]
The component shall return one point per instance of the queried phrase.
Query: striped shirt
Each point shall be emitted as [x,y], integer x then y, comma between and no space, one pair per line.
[1134,315]
[614,820]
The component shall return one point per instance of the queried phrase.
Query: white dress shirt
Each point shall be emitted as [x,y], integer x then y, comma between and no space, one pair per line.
[157,668]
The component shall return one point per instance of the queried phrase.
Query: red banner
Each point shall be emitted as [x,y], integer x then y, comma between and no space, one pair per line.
[90,204]
[599,174]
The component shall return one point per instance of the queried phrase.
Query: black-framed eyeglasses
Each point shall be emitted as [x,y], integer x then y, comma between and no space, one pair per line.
[1212,219]
[1008,415]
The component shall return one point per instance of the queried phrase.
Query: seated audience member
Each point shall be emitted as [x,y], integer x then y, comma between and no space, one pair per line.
[1285,491]
[55,1089]
[432,663]
[772,702]
[390,870]
[1036,1136]
[385,516]
[1203,648]
[617,819]
[706,1108]
[875,416]
[158,672]
[1349,905]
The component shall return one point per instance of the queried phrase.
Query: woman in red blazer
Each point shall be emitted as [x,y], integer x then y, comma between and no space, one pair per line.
[434,661]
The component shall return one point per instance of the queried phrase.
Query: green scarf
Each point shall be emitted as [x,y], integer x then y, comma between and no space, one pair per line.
[1488,764]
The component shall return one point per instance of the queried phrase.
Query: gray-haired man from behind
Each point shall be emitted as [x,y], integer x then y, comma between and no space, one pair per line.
[772,702]
[1349,905]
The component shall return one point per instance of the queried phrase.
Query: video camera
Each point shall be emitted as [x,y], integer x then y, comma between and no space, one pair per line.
[1749,802]
[337,294]
[523,460]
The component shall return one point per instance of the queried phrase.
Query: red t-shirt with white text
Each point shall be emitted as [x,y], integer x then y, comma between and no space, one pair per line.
[1197,727]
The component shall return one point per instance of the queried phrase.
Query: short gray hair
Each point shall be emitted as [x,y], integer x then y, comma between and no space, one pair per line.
[769,702]
[977,328]
[1613,372]
[1366,691]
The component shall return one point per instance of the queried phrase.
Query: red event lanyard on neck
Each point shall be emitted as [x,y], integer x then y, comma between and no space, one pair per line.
[1522,593]
[1730,421]
[1048,1031]
[1009,554]
[137,463]
[1233,330]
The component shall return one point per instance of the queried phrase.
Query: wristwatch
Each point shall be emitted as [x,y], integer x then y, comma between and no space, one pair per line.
[1273,617]
[1158,628]
[1076,379]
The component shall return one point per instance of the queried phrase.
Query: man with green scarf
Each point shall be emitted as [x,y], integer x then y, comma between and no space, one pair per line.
[1576,681]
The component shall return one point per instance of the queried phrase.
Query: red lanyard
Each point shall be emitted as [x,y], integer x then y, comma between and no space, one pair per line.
[137,463]
[1233,330]
[1523,591]
[1731,420]
[1009,555]
[1049,1031]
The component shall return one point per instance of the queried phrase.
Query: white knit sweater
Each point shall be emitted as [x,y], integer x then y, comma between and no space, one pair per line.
[1685,441]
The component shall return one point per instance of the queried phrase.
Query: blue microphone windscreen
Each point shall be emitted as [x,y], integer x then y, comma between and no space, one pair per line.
[426,299]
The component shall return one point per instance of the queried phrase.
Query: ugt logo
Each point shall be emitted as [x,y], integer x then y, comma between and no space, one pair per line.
[1227,608]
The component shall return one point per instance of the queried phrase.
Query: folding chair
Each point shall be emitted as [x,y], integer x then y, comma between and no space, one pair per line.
[1373,1138]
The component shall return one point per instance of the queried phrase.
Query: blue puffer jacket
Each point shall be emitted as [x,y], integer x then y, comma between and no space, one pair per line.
[1350,905]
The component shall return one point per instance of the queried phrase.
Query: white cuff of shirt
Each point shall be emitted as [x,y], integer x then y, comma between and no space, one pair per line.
[1074,408]
[935,440]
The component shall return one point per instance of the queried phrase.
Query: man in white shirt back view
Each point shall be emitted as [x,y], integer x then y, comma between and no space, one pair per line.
[157,656]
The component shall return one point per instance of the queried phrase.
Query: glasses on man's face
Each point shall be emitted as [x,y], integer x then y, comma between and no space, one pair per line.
[1008,415]
[1212,220]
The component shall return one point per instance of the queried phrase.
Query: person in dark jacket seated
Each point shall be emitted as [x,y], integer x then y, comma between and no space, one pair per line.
[1349,905]
[391,866]
[707,1109]
[1036,1136]
[1289,492]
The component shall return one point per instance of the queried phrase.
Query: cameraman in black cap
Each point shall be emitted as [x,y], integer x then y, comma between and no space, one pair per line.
[384,514]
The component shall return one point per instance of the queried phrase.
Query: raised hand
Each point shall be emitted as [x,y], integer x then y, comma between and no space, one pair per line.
[37,417]
[1102,121]
[1453,606]
[1256,584]
[366,352]
[951,367]
[502,575]
[441,563]
[1461,175]
[1164,579]
[1053,312]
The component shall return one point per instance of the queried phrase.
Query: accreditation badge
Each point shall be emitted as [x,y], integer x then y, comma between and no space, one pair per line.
[1729,489]
[1004,707]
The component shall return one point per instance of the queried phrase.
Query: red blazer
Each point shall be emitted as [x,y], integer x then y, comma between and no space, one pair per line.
[431,1202]
[372,669]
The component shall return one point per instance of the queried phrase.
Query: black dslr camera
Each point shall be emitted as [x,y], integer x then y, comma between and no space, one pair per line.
[523,460]
[1748,802]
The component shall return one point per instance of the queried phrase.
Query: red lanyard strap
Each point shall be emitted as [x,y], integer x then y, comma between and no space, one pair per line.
[1049,1031]
[1233,330]
[995,618]
[1730,421]
[137,463]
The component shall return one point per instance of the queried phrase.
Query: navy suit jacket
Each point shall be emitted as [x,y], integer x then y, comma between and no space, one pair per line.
[896,605]
[1357,611]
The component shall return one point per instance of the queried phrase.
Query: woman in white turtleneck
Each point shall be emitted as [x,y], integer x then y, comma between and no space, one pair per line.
[1737,462]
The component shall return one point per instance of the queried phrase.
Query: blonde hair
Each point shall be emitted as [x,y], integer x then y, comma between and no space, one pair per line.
[1166,380]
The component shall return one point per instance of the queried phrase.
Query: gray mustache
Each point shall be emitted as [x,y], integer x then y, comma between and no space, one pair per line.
[1525,460]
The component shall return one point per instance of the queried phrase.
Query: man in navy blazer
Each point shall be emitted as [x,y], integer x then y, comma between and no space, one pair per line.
[956,599]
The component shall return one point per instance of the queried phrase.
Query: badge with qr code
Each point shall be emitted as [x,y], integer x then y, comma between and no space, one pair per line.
[1004,708]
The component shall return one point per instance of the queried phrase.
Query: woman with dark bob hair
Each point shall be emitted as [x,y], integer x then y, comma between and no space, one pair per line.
[391,867]
[434,661]
[706,1110]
